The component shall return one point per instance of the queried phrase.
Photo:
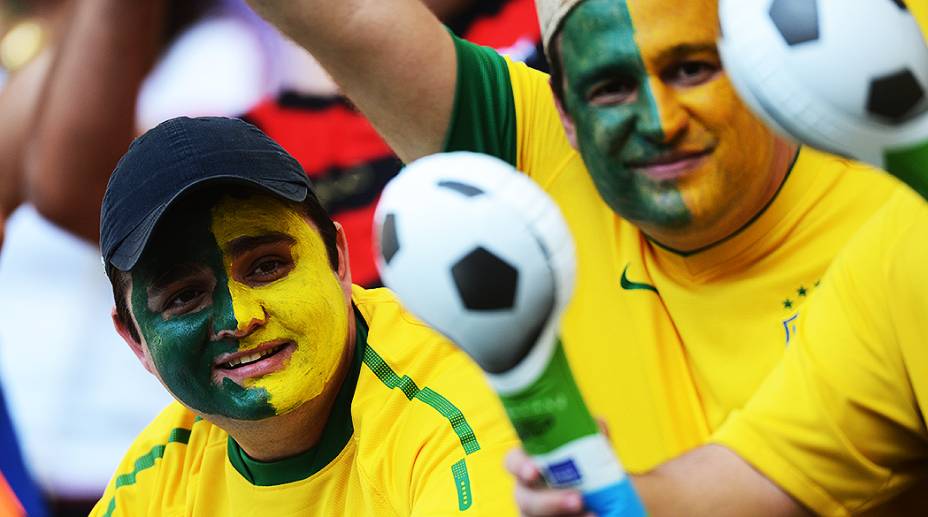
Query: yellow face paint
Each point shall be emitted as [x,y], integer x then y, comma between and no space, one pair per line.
[283,290]
[713,111]
[667,141]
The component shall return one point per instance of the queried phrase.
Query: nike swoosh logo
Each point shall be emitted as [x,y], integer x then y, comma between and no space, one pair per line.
[628,285]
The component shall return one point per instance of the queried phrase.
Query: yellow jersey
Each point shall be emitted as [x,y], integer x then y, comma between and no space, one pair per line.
[840,423]
[664,345]
[415,430]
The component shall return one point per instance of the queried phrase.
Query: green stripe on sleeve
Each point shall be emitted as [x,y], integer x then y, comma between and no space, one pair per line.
[427,395]
[146,461]
[444,407]
[462,483]
[483,119]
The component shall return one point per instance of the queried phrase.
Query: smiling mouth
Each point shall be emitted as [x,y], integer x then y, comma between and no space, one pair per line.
[671,166]
[262,360]
[245,360]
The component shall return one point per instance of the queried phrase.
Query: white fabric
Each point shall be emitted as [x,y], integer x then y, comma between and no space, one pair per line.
[77,394]
[550,15]
[218,67]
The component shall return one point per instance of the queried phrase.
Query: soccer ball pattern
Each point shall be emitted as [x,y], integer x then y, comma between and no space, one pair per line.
[476,250]
[847,76]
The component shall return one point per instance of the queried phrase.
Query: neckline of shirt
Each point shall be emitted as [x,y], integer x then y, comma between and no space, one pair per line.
[802,187]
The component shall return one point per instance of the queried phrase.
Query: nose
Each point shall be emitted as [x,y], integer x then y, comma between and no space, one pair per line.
[665,120]
[243,329]
[248,314]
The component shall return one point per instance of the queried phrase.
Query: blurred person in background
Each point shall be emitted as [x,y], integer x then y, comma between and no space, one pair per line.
[27,30]
[348,161]
[73,402]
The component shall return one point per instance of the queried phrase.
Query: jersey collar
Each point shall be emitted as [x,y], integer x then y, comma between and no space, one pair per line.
[802,189]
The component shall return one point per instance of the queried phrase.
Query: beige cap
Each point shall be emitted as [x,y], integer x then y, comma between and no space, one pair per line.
[550,15]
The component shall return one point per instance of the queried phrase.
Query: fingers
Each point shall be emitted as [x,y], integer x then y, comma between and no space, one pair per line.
[603,427]
[533,497]
[523,468]
[548,502]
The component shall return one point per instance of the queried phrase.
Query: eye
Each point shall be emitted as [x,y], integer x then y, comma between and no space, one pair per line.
[269,269]
[617,90]
[183,301]
[691,73]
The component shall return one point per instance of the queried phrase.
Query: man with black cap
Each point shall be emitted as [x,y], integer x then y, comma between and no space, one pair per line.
[297,391]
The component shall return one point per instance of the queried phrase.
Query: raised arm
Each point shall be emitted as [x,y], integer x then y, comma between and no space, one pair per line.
[392,58]
[18,101]
[87,114]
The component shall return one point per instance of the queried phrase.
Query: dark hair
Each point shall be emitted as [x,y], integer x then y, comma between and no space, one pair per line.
[557,68]
[182,14]
[311,207]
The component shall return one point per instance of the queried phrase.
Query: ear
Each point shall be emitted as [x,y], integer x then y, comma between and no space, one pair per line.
[569,128]
[344,269]
[134,345]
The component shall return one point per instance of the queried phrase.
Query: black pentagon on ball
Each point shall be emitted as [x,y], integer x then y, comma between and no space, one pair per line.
[796,20]
[461,188]
[895,96]
[484,281]
[389,240]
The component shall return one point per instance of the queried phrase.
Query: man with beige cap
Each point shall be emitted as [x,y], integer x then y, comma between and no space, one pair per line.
[699,233]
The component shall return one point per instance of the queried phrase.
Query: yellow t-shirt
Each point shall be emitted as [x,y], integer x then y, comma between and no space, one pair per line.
[840,423]
[415,430]
[664,345]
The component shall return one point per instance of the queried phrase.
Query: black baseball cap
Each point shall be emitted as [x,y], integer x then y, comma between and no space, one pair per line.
[176,156]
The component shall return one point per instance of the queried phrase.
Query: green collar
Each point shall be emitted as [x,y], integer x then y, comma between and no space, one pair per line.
[335,436]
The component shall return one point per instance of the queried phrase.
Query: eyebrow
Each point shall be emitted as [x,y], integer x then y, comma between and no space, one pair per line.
[175,274]
[243,244]
[684,49]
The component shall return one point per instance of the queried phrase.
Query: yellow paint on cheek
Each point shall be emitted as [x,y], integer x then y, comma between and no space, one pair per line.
[306,307]
[711,113]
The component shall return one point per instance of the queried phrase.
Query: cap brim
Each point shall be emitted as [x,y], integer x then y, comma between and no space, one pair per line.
[130,249]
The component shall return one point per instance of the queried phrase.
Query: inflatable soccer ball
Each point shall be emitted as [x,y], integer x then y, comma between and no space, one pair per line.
[846,76]
[476,250]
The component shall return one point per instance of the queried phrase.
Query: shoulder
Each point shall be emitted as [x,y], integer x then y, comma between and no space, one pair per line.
[153,471]
[847,175]
[423,409]
[401,349]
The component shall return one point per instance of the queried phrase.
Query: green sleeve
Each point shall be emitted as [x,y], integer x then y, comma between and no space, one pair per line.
[484,117]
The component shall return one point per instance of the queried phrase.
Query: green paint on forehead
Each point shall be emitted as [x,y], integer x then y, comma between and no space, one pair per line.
[180,346]
[598,50]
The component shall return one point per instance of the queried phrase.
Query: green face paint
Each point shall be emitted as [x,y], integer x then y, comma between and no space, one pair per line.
[180,346]
[599,54]
[665,138]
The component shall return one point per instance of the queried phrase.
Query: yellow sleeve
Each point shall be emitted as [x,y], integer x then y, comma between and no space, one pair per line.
[140,486]
[472,475]
[507,110]
[837,424]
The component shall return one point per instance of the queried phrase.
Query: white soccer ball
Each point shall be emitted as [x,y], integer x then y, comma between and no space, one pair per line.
[846,76]
[476,250]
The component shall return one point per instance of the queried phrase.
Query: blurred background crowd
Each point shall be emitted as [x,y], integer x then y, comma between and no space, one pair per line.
[78,80]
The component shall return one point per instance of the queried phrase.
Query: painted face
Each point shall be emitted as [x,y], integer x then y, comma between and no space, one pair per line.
[666,140]
[240,310]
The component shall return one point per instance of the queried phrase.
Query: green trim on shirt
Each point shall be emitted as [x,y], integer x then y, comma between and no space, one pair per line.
[178,435]
[445,408]
[335,436]
[427,395]
[483,119]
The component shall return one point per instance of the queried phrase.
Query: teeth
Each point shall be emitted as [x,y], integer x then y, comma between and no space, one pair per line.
[248,359]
